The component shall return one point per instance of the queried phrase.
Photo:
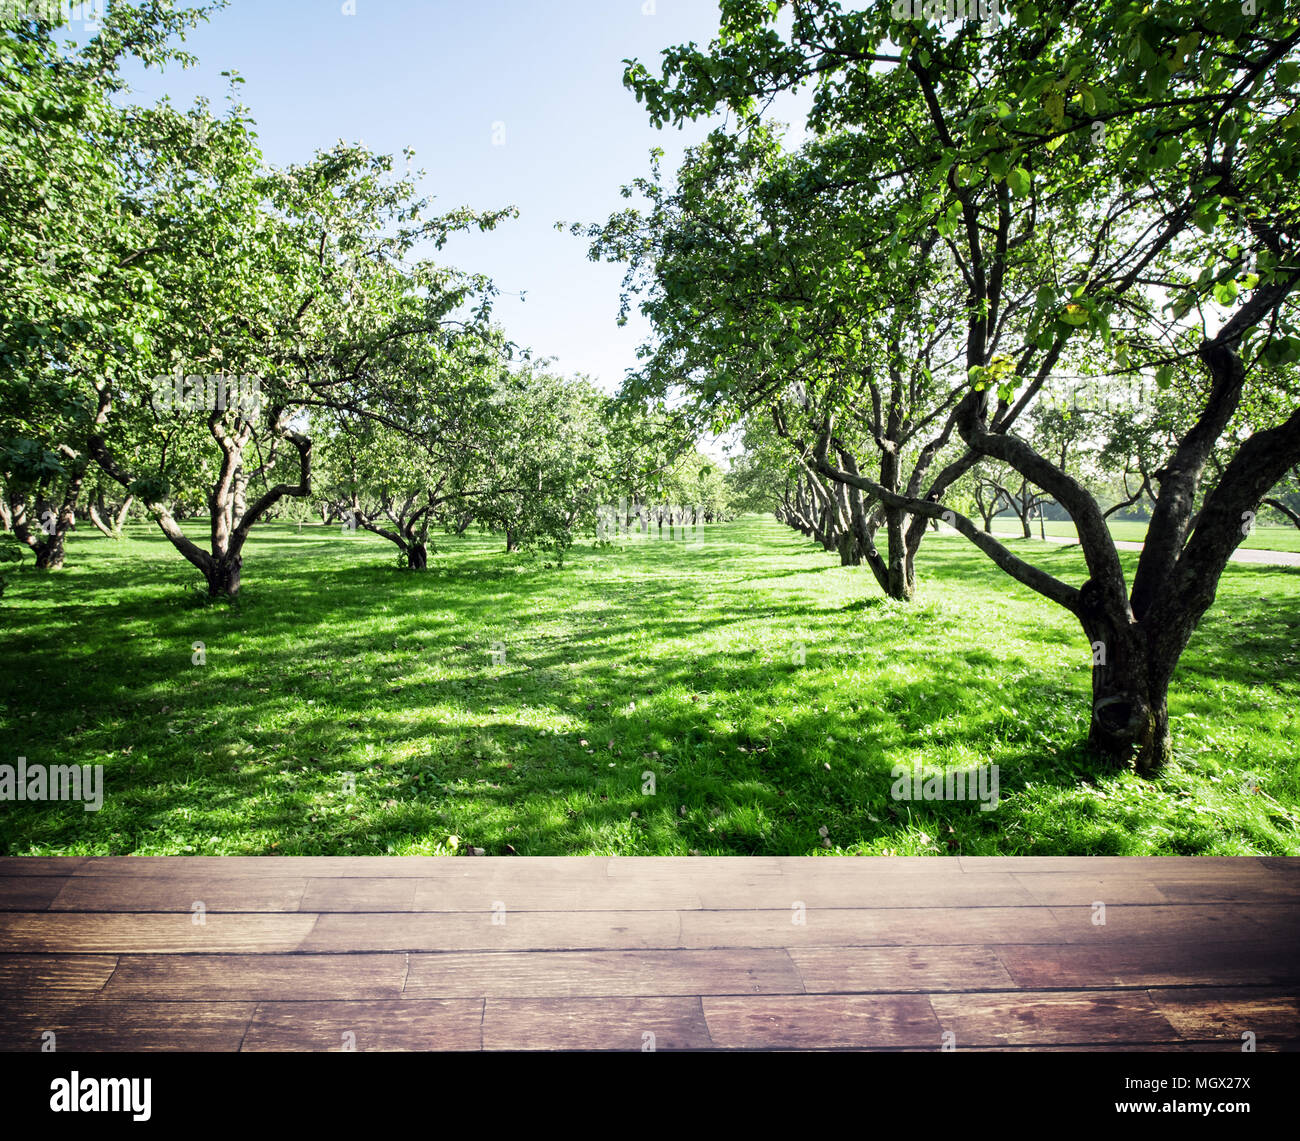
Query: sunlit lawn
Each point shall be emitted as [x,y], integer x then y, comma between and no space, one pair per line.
[1260,538]
[681,661]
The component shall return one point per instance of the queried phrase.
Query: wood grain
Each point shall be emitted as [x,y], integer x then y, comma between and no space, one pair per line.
[1152,964]
[638,1024]
[627,953]
[40,974]
[96,1025]
[568,974]
[1061,1018]
[268,976]
[396,1024]
[178,892]
[1224,1014]
[109,933]
[523,930]
[862,927]
[884,970]
[822,1022]
[29,893]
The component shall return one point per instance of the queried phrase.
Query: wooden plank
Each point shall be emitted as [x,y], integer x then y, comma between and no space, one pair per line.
[333,867]
[521,931]
[936,926]
[843,970]
[719,869]
[555,893]
[1224,1014]
[644,1024]
[353,893]
[1195,889]
[1062,1017]
[518,890]
[1082,888]
[648,869]
[89,933]
[821,1022]
[298,977]
[29,893]
[383,867]
[1155,887]
[40,865]
[95,1025]
[1151,964]
[1216,922]
[568,974]
[39,974]
[1180,1047]
[808,886]
[1226,866]
[390,1024]
[228,893]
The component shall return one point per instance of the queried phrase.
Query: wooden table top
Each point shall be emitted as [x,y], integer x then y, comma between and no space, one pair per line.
[488,953]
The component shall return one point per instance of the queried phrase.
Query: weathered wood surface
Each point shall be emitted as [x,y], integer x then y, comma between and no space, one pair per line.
[635,954]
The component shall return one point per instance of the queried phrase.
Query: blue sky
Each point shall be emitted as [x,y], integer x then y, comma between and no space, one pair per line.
[437,75]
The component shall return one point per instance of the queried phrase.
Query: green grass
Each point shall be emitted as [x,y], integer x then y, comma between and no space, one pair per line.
[1260,538]
[652,657]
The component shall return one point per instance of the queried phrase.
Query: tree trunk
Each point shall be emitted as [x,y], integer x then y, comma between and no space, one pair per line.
[1130,712]
[512,542]
[223,576]
[98,510]
[49,552]
[902,573]
[417,556]
[850,556]
[47,541]
[99,523]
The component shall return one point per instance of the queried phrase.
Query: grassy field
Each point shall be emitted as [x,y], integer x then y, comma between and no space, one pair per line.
[681,661]
[1260,538]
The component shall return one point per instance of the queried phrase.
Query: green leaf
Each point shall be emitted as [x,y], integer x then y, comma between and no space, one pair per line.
[1225,292]
[1019,181]
[1282,351]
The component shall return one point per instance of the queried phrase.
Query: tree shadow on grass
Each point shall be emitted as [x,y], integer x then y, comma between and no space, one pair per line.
[328,669]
